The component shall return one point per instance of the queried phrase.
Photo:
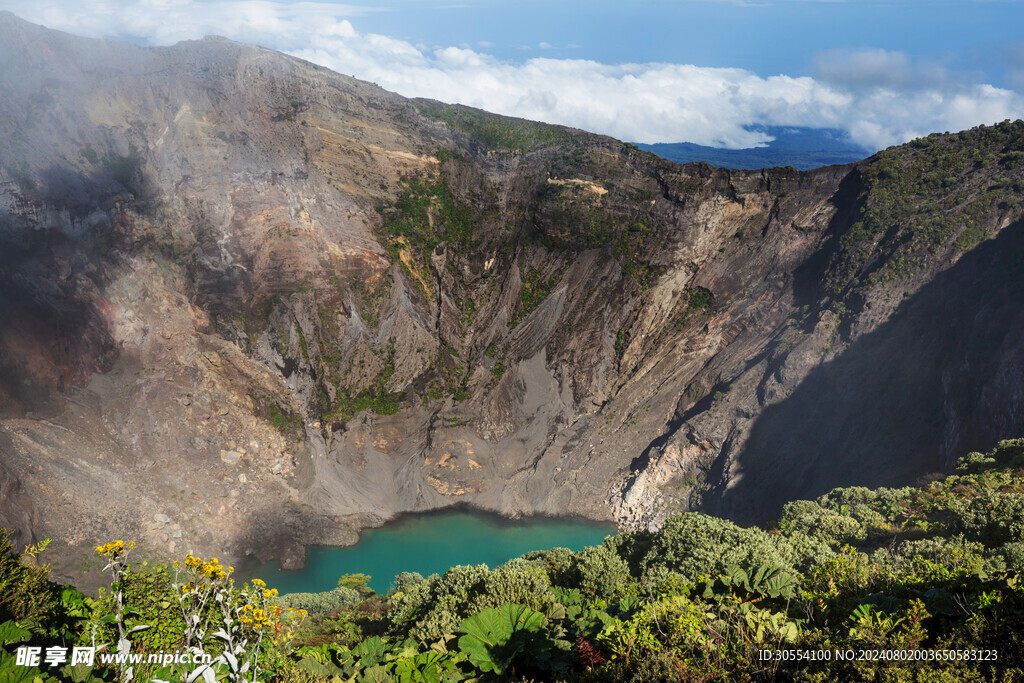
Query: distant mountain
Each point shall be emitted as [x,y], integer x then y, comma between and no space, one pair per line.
[801,148]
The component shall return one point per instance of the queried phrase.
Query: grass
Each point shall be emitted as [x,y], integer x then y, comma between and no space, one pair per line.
[496,132]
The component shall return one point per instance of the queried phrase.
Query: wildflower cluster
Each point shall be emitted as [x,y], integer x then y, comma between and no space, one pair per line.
[115,548]
[211,570]
[255,610]
[254,617]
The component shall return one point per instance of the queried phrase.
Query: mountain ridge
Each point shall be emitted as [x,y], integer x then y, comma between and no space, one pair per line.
[802,148]
[255,305]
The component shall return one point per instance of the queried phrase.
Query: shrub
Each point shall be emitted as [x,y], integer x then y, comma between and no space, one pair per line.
[317,604]
[938,549]
[1009,453]
[357,582]
[523,585]
[695,545]
[436,606]
[555,561]
[809,550]
[994,520]
[26,592]
[848,497]
[407,580]
[1012,554]
[599,573]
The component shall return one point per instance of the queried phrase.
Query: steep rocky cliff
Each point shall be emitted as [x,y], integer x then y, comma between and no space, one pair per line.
[248,303]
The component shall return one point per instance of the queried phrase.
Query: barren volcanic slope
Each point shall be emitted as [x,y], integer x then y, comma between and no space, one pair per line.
[248,303]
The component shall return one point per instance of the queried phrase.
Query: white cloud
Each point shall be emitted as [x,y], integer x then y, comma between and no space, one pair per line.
[164,22]
[898,98]
[880,97]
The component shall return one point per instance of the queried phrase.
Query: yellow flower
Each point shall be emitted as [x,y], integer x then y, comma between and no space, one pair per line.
[114,548]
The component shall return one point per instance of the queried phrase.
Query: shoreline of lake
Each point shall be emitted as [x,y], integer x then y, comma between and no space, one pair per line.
[431,542]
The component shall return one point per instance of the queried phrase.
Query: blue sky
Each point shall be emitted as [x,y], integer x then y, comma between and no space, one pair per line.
[700,71]
[767,38]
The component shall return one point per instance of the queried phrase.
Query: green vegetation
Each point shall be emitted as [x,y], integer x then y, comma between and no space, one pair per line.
[283,421]
[621,339]
[89,154]
[497,132]
[700,300]
[427,213]
[925,569]
[629,251]
[570,217]
[356,582]
[318,604]
[122,169]
[919,198]
[302,343]
[373,302]
[288,114]
[536,288]
[375,398]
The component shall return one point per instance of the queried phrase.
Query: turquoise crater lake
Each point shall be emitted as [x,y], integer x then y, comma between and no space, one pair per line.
[430,543]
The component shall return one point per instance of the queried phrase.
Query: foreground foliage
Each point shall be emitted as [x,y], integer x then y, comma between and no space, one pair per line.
[933,570]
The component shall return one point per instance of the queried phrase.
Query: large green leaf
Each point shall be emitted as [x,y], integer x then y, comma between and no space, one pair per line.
[314,666]
[83,673]
[11,633]
[370,652]
[489,641]
[426,667]
[10,672]
[375,674]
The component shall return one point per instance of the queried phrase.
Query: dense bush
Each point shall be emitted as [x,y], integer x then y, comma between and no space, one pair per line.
[317,604]
[431,608]
[696,545]
[599,573]
[26,592]
[994,519]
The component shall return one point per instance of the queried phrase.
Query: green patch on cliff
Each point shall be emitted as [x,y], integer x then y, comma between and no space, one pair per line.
[282,420]
[350,402]
[536,288]
[372,303]
[924,196]
[496,132]
[630,248]
[424,215]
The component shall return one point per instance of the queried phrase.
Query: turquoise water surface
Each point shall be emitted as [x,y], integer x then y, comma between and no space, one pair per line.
[430,543]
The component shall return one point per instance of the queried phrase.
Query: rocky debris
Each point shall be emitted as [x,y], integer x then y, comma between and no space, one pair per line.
[230,457]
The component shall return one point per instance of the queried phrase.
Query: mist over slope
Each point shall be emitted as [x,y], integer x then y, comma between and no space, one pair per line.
[249,304]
